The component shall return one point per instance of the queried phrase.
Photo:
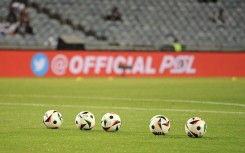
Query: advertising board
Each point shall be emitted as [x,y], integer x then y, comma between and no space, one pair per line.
[108,63]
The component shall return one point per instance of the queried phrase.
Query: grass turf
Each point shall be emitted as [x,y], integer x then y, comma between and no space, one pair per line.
[24,101]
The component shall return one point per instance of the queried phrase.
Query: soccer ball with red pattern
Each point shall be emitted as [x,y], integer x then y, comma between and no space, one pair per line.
[52,119]
[111,122]
[195,127]
[159,125]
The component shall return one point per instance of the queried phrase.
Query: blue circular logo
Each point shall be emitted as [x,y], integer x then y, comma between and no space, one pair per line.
[39,64]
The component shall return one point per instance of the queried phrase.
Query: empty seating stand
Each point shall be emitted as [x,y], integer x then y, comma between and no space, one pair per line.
[145,23]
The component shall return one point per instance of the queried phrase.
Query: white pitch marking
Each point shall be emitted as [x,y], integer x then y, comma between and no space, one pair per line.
[120,108]
[127,99]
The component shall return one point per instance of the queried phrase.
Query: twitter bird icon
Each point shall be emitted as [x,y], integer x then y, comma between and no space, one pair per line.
[39,64]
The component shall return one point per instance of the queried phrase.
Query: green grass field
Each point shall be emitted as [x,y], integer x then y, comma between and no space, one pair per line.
[219,101]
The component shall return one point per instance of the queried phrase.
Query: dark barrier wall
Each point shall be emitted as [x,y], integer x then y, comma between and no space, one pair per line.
[135,64]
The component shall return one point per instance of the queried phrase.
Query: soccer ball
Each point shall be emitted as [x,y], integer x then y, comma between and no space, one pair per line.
[52,119]
[195,127]
[85,120]
[111,122]
[159,125]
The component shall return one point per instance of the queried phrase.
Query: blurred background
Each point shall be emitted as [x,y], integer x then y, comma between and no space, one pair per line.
[156,25]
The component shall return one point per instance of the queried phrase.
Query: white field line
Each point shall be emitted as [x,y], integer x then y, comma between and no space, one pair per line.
[120,108]
[124,99]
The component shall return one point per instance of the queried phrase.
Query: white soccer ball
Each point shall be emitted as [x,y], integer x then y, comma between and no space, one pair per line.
[159,125]
[195,127]
[52,119]
[111,122]
[85,120]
